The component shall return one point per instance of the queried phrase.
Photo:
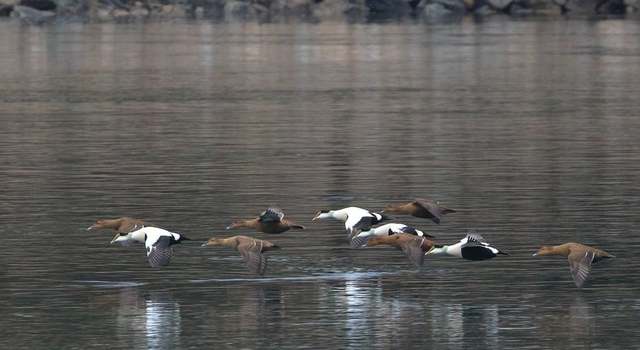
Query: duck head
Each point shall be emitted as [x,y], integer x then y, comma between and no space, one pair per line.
[323,214]
[227,242]
[544,250]
[437,249]
[104,223]
[122,238]
[212,241]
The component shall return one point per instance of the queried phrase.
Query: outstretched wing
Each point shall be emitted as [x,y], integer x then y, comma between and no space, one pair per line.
[580,266]
[474,237]
[355,224]
[159,252]
[364,223]
[271,215]
[359,241]
[413,250]
[251,253]
[415,231]
[433,208]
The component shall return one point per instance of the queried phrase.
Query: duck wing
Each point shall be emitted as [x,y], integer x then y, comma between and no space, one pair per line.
[580,266]
[271,215]
[412,248]
[356,223]
[433,208]
[359,241]
[474,237]
[251,253]
[364,223]
[412,231]
[159,251]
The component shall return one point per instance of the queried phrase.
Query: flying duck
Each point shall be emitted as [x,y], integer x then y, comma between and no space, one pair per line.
[250,249]
[414,247]
[421,208]
[360,240]
[270,221]
[355,219]
[157,241]
[471,247]
[580,258]
[120,225]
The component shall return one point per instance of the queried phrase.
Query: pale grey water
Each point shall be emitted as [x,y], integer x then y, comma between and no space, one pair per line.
[529,128]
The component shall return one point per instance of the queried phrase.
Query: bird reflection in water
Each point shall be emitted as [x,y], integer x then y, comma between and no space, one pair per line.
[156,315]
[457,324]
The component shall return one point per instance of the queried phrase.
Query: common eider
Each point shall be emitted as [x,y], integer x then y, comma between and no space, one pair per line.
[580,257]
[270,221]
[471,247]
[360,240]
[250,249]
[414,247]
[421,208]
[355,219]
[157,241]
[121,225]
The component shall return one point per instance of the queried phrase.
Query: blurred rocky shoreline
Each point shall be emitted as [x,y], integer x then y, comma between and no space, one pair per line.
[39,12]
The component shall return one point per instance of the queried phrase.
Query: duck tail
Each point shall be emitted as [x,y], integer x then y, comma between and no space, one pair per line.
[385,217]
[446,211]
[502,253]
[275,247]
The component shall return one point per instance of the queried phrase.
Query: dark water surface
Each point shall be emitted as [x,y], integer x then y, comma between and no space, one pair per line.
[530,129]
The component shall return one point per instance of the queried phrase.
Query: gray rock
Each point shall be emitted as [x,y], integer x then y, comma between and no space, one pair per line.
[436,12]
[483,11]
[5,10]
[519,9]
[238,10]
[213,9]
[388,8]
[343,10]
[500,5]
[456,6]
[296,10]
[32,16]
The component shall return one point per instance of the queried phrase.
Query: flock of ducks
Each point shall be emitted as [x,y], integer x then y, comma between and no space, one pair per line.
[359,224]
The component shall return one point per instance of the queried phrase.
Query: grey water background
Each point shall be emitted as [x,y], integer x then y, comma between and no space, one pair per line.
[528,128]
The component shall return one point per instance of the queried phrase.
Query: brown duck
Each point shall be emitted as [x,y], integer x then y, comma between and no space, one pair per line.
[421,208]
[414,247]
[250,249]
[270,221]
[580,258]
[121,225]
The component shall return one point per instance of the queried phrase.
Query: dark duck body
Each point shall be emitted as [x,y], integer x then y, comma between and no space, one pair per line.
[420,208]
[270,221]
